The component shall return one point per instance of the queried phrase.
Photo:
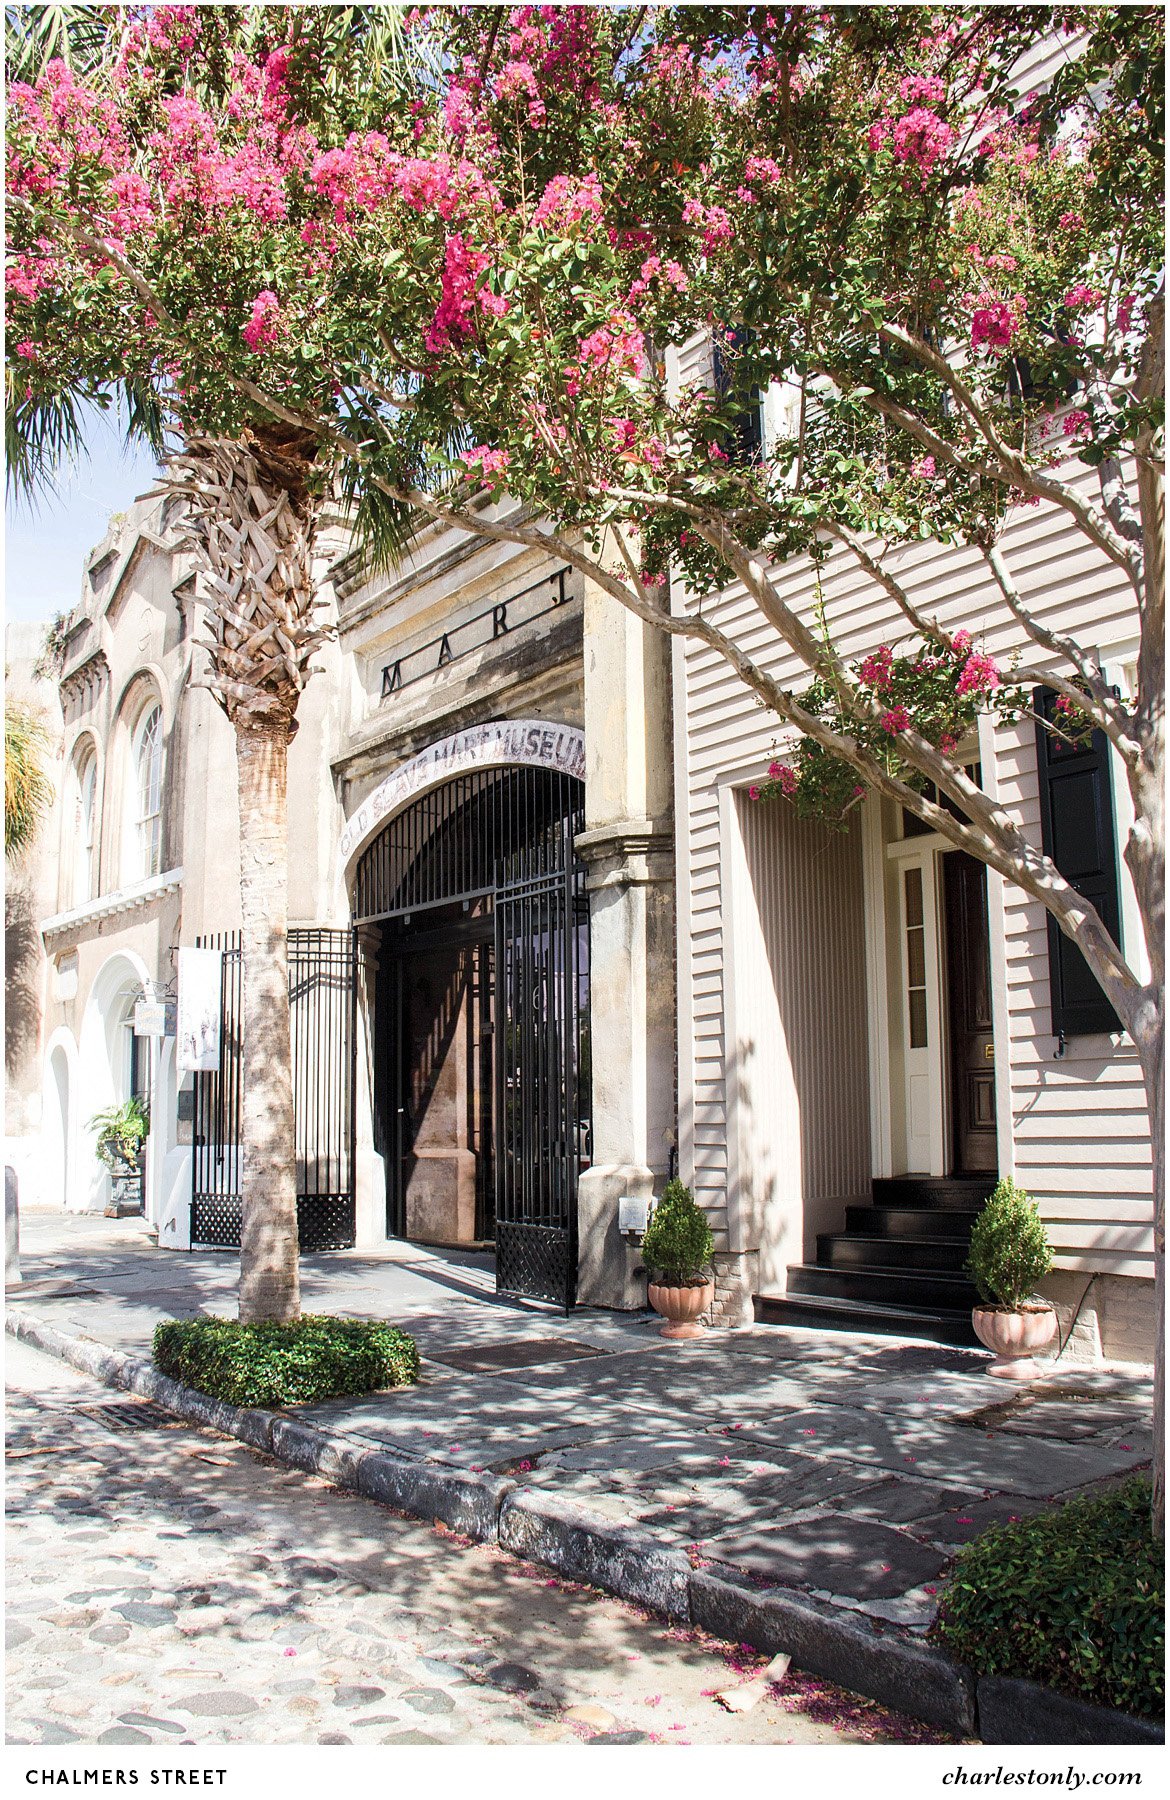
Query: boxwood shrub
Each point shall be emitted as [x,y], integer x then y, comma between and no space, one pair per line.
[270,1364]
[1073,1598]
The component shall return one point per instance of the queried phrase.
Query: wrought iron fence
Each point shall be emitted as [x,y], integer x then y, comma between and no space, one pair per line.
[322,1009]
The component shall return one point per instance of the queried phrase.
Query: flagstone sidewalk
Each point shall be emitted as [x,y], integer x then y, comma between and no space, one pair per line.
[845,1466]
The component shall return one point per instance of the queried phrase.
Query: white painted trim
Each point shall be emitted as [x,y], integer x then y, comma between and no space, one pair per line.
[900,849]
[684,966]
[127,899]
[1001,1024]
[877,989]
[733,883]
[931,1060]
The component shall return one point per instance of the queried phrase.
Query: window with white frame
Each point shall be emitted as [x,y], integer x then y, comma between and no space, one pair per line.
[146,793]
[85,828]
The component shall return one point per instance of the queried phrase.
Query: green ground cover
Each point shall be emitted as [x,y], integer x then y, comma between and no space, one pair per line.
[271,1364]
[1073,1598]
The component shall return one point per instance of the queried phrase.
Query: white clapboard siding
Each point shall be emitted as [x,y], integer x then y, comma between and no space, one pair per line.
[1079,1138]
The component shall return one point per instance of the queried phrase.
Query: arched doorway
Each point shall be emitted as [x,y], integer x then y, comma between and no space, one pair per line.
[473,902]
[57,1131]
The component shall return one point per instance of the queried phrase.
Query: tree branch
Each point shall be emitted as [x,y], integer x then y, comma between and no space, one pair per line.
[1113,718]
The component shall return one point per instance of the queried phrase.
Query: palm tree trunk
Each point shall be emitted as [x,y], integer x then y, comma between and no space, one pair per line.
[269,1274]
[251,517]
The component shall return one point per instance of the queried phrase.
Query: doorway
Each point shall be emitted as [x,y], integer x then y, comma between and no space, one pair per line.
[476,902]
[972,1046]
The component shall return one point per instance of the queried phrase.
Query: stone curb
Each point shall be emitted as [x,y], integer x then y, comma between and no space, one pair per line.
[547,1529]
[898,1670]
[1024,1712]
[886,1665]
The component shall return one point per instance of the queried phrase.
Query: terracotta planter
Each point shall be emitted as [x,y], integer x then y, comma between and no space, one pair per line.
[681,1307]
[1012,1336]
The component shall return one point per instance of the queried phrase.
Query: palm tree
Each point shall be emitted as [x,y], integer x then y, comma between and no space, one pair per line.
[28,787]
[250,514]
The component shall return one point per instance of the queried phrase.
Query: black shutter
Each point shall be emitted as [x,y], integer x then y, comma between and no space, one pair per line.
[1076,819]
[744,444]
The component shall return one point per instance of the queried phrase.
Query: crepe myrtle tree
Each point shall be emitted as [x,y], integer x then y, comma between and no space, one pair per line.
[249,498]
[941,230]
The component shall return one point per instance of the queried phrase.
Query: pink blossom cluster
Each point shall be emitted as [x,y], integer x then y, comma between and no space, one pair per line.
[173,29]
[994,320]
[266,324]
[1070,221]
[195,169]
[570,57]
[1077,424]
[1080,297]
[27,276]
[714,220]
[567,201]
[764,170]
[490,462]
[923,468]
[614,348]
[877,670]
[516,81]
[1125,311]
[920,137]
[895,720]
[364,173]
[672,274]
[785,778]
[454,316]
[979,675]
[922,90]
[62,125]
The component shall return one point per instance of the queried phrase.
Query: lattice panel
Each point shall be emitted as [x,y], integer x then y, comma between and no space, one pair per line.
[537,1261]
[324,1222]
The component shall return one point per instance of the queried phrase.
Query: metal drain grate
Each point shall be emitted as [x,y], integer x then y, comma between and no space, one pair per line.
[134,1415]
[523,1353]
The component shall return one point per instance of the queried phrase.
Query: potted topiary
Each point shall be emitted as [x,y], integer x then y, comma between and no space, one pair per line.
[1009,1255]
[676,1250]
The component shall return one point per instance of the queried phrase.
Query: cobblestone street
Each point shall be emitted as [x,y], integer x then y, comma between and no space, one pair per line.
[167,1585]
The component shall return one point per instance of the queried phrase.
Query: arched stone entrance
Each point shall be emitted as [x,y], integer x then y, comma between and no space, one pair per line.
[470,900]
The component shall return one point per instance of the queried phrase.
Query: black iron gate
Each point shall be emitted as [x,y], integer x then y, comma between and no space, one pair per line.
[480,905]
[322,1001]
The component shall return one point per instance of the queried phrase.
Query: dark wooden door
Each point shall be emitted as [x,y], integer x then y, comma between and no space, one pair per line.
[969,1007]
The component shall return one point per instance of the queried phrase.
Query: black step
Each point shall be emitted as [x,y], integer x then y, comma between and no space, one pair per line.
[961,1193]
[861,1250]
[884,1286]
[910,1222]
[938,1325]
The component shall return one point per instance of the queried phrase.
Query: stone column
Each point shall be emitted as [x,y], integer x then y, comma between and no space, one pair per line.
[627,846]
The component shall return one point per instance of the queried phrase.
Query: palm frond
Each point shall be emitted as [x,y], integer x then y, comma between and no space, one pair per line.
[383,528]
[34,35]
[28,789]
[41,432]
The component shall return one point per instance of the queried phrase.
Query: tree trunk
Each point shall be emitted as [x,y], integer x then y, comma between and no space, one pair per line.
[250,516]
[269,1277]
[1155,1101]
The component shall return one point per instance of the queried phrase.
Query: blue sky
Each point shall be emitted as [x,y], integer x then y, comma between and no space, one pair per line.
[47,541]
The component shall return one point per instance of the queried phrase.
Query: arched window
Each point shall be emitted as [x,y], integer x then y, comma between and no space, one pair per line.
[147,792]
[85,829]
